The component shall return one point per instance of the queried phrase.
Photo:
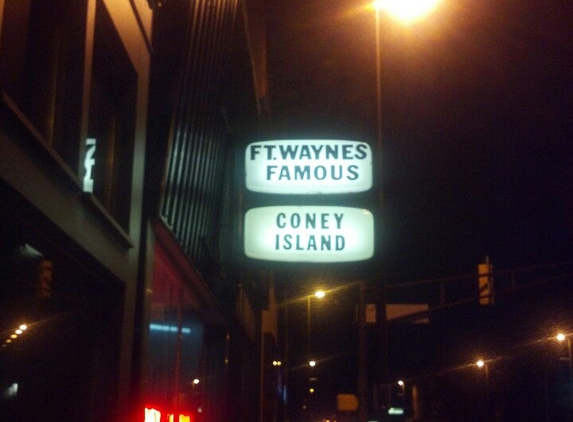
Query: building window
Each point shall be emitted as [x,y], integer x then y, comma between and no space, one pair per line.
[113,94]
[41,59]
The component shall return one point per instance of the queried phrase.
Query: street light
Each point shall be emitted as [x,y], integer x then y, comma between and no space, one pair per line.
[561,338]
[319,294]
[402,387]
[484,364]
[406,11]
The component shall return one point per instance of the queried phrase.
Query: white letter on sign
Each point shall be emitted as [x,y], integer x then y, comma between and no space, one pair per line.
[89,162]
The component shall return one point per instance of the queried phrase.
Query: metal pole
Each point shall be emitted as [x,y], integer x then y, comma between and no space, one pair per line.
[383,361]
[262,376]
[178,351]
[362,384]
[379,136]
[383,342]
[308,327]
[286,365]
[569,356]
[487,393]
[379,93]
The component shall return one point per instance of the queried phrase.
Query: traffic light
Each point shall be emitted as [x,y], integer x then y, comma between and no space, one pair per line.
[485,283]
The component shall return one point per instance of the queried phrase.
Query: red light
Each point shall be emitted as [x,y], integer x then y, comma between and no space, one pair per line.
[152,415]
[182,418]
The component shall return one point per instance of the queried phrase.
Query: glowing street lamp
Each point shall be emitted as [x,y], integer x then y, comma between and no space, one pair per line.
[319,294]
[406,11]
[483,364]
[402,387]
[561,338]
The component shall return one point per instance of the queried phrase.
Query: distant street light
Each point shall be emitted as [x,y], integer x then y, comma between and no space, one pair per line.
[484,364]
[402,386]
[319,294]
[561,338]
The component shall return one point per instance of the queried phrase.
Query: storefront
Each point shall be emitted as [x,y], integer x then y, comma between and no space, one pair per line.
[60,323]
[187,341]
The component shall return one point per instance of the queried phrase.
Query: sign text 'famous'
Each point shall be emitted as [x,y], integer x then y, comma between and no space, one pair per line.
[308,166]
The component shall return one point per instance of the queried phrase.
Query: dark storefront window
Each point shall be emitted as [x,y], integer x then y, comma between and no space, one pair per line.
[41,61]
[112,118]
[58,336]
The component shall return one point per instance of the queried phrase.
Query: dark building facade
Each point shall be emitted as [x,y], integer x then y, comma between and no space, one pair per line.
[72,145]
[123,292]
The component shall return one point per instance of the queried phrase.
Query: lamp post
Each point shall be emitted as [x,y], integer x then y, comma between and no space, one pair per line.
[561,338]
[362,382]
[407,12]
[484,364]
[319,294]
[402,386]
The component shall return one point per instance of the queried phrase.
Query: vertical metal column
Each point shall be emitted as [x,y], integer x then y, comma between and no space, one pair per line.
[362,383]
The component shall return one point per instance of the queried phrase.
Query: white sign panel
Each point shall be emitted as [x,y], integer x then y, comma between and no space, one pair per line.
[309,234]
[308,166]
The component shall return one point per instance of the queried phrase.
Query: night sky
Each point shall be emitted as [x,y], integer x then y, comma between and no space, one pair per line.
[477,123]
[477,104]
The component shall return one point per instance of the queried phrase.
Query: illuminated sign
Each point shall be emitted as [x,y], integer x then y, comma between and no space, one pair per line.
[308,166]
[154,415]
[309,234]
[89,162]
[169,328]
